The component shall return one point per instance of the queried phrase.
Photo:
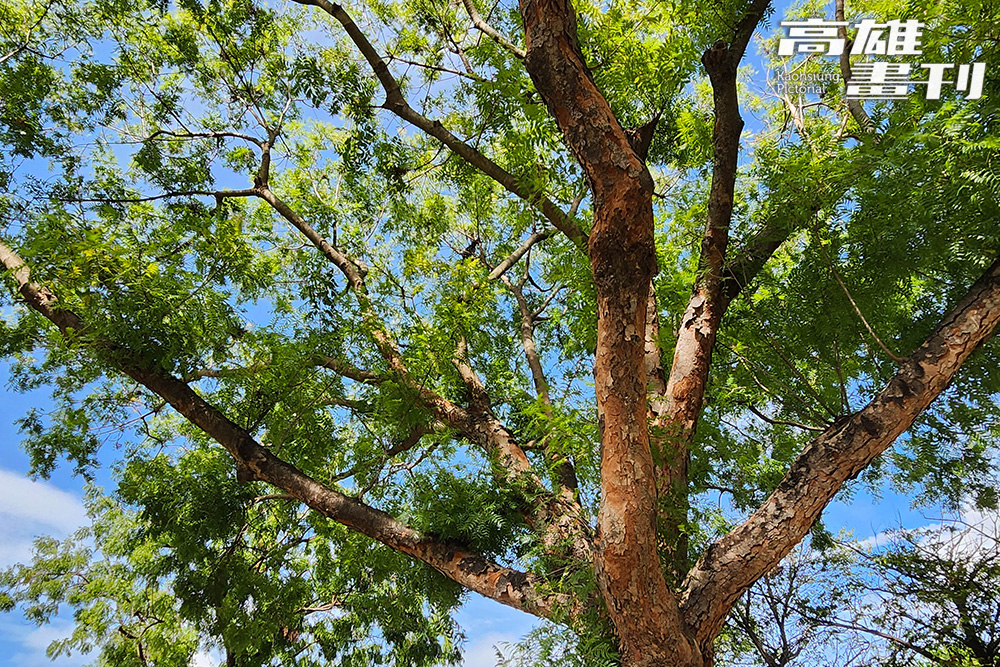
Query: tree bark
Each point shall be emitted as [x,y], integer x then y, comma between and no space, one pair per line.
[674,412]
[622,253]
[731,565]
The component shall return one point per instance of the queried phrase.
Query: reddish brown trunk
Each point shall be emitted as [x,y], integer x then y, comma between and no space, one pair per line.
[622,252]
[631,580]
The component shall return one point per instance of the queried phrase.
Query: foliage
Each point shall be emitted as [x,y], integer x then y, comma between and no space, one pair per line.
[208,566]
[909,597]
[137,138]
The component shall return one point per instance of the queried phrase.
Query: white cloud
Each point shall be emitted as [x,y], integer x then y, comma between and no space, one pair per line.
[25,501]
[25,643]
[39,639]
[206,659]
[874,542]
[29,509]
[975,535]
[487,623]
[483,651]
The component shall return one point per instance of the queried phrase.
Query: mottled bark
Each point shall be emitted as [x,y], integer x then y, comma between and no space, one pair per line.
[732,564]
[642,608]
[670,459]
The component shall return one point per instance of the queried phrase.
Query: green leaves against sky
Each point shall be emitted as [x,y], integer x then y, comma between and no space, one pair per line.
[125,129]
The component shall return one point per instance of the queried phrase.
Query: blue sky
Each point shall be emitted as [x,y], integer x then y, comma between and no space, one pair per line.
[54,507]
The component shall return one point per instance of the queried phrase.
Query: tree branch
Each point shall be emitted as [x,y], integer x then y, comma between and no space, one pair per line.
[733,563]
[856,109]
[674,413]
[875,633]
[348,370]
[487,29]
[205,135]
[519,252]
[567,475]
[397,104]
[742,269]
[857,311]
[218,194]
[505,585]
[782,422]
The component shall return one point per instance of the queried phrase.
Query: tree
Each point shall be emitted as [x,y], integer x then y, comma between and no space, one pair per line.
[377,253]
[215,569]
[921,597]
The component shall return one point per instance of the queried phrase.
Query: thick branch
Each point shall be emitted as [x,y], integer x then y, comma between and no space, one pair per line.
[397,104]
[743,268]
[671,461]
[348,370]
[500,583]
[745,29]
[342,262]
[732,564]
[37,297]
[674,413]
[622,253]
[558,515]
[511,587]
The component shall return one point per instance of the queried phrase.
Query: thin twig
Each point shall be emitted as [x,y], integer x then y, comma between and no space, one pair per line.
[487,29]
[895,357]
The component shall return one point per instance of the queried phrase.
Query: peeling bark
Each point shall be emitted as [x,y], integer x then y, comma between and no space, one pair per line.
[642,608]
[732,564]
